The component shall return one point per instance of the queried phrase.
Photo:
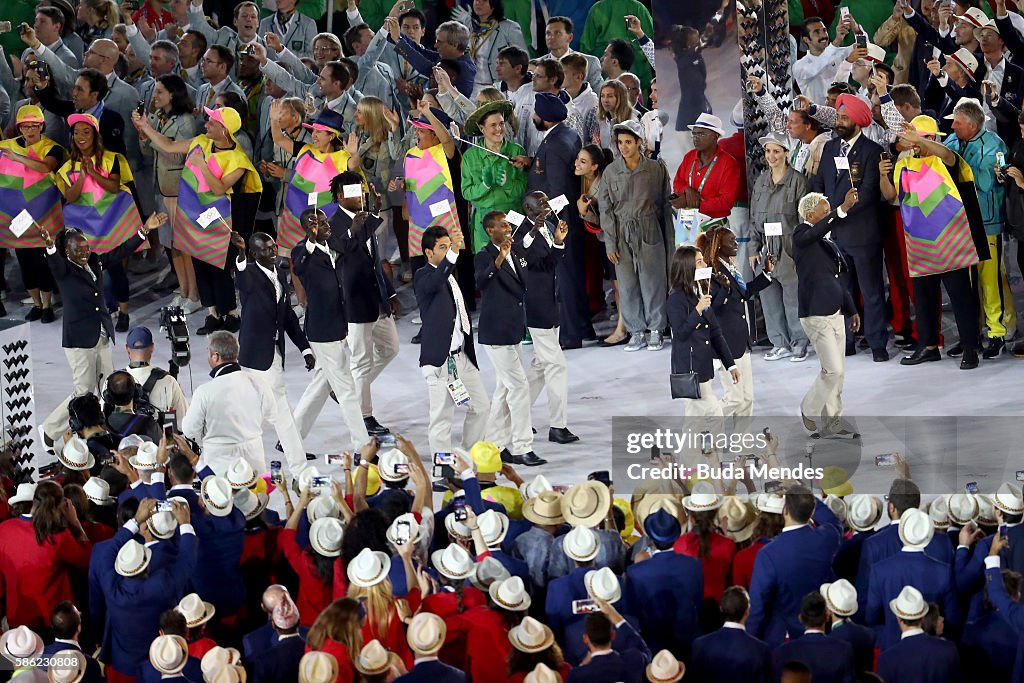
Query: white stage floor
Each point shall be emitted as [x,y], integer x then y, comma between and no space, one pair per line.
[605,383]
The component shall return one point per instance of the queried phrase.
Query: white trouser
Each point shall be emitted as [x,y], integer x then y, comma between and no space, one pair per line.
[89,370]
[284,423]
[824,400]
[332,373]
[548,369]
[702,414]
[220,457]
[737,399]
[510,422]
[373,346]
[442,407]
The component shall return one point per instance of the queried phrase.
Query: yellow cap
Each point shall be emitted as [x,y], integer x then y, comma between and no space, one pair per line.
[372,480]
[260,486]
[926,125]
[30,113]
[623,504]
[486,457]
[835,481]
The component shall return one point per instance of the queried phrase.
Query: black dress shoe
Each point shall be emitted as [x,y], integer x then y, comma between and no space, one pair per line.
[910,346]
[508,458]
[561,435]
[902,340]
[530,459]
[415,339]
[922,355]
[606,344]
[956,350]
[993,348]
[232,323]
[310,456]
[122,322]
[440,486]
[373,427]
[851,350]
[212,324]
[47,316]
[278,447]
[34,313]
[970,359]
[568,346]
[880,355]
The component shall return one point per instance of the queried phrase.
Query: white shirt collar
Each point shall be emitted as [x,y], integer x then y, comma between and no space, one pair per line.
[793,527]
[905,549]
[285,636]
[336,102]
[814,630]
[598,653]
[734,624]
[420,660]
[269,273]
[910,632]
[853,140]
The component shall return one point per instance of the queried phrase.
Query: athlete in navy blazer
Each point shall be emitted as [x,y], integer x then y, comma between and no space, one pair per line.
[218,573]
[627,637]
[861,639]
[321,277]
[607,663]
[730,653]
[561,592]
[933,578]
[503,296]
[280,663]
[69,641]
[920,658]
[666,592]
[437,313]
[432,670]
[830,660]
[368,290]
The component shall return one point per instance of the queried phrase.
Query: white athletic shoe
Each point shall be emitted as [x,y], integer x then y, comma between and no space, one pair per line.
[778,353]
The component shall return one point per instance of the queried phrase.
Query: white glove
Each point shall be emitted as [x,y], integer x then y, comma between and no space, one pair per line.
[462,15]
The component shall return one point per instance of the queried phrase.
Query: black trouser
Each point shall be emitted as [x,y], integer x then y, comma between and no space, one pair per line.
[35,273]
[116,289]
[573,303]
[928,306]
[216,288]
[866,264]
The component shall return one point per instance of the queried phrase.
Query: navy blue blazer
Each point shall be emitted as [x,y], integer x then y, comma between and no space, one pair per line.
[861,639]
[933,578]
[987,648]
[921,659]
[262,639]
[552,168]
[728,305]
[515,567]
[192,672]
[627,637]
[100,563]
[325,299]
[614,667]
[265,319]
[666,592]
[821,269]
[861,227]
[885,543]
[368,290]
[795,563]
[729,654]
[82,295]
[92,667]
[542,261]
[503,296]
[280,663]
[847,558]
[697,338]
[558,605]
[218,574]
[433,671]
[830,660]
[969,567]
[437,311]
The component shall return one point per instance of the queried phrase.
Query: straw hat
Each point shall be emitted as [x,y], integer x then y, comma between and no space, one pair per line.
[415,530]
[387,465]
[98,491]
[322,506]
[652,502]
[456,529]
[250,504]
[703,499]
[909,605]
[162,525]
[241,474]
[510,594]
[542,674]
[76,456]
[325,535]
[454,562]
[373,659]
[145,457]
[132,558]
[195,610]
[426,634]
[305,478]
[737,518]
[915,529]
[603,584]
[531,636]
[368,568]
[662,528]
[218,657]
[863,511]
[217,495]
[586,503]
[318,667]
[1009,500]
[963,508]
[20,643]
[837,505]
[938,511]
[488,571]
[772,503]
[493,527]
[545,508]
[168,654]
[71,668]
[986,510]
[665,668]
[840,597]
[484,110]
[24,494]
[226,674]
[534,488]
[581,544]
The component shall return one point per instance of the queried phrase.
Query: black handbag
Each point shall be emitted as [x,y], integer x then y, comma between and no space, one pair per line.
[685,384]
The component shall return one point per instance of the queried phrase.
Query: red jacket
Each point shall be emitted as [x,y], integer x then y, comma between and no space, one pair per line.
[393,639]
[735,146]
[743,563]
[721,190]
[446,605]
[199,647]
[487,644]
[717,564]
[314,592]
[36,577]
[346,672]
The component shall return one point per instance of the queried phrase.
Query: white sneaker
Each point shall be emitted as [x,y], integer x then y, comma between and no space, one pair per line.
[636,342]
[656,343]
[778,353]
[175,302]
[417,321]
[188,306]
[800,354]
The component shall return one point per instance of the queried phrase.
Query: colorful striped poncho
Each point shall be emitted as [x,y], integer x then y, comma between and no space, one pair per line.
[428,182]
[938,231]
[22,189]
[106,218]
[197,200]
[311,175]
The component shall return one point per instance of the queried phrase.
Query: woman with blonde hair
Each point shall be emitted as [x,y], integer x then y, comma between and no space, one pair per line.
[98,18]
[338,632]
[613,107]
[369,582]
[380,144]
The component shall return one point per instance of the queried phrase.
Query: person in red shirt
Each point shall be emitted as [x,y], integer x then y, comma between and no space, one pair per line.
[714,550]
[488,646]
[337,631]
[315,565]
[709,178]
[769,525]
[153,13]
[37,552]
[368,578]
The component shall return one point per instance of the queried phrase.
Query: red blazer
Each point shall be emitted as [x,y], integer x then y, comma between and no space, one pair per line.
[36,577]
[346,672]
[717,564]
[720,192]
[97,532]
[393,639]
[487,644]
[199,647]
[743,563]
[314,592]
[445,605]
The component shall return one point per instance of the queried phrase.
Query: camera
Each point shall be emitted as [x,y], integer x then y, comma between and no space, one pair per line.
[165,506]
[140,108]
[386,440]
[319,482]
[246,50]
[174,322]
[275,472]
[459,505]
[403,532]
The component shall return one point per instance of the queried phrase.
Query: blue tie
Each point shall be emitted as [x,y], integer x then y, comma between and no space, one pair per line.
[738,276]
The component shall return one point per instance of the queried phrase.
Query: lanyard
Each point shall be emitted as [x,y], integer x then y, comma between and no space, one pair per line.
[707,174]
[452,372]
[479,38]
